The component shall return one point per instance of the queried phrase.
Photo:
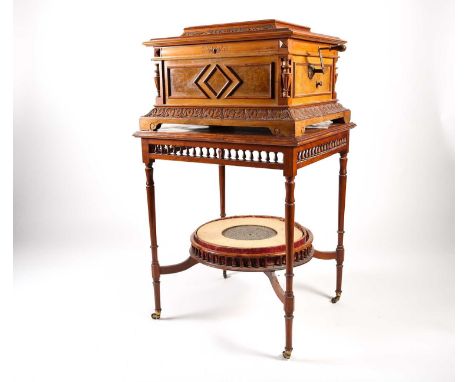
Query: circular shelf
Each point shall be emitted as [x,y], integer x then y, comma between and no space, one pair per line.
[249,243]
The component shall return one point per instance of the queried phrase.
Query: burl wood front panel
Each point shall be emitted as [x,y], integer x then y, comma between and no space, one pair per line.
[221,81]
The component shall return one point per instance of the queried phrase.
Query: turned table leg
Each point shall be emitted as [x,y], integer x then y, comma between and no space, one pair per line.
[155,268]
[288,294]
[341,211]
[222,197]
[222,190]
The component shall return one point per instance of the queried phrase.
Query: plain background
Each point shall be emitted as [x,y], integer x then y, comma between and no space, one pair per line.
[82,281]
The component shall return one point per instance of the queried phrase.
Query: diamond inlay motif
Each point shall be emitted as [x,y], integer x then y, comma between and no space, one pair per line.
[217,81]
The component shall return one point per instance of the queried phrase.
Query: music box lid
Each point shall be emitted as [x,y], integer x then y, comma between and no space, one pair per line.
[243,31]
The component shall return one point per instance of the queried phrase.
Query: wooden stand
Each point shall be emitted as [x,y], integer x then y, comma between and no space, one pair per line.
[250,148]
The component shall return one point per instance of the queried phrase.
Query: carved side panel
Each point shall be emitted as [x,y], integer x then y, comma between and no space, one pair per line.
[320,83]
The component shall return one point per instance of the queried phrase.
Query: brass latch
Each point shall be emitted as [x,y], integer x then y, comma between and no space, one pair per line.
[320,69]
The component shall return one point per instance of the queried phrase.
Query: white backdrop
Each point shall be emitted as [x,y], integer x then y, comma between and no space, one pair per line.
[82,79]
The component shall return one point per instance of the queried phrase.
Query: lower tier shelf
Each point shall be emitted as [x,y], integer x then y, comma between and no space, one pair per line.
[249,244]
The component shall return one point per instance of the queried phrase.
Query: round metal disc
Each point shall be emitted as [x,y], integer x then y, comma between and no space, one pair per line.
[249,232]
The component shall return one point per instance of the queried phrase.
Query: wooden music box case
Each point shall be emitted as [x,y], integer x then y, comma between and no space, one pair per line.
[258,74]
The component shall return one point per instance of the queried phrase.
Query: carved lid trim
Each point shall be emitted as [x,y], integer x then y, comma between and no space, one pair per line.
[242,31]
[246,26]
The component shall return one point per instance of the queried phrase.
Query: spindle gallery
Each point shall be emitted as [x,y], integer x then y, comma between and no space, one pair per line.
[255,94]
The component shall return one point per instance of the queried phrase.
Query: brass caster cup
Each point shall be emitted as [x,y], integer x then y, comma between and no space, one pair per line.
[335,299]
[156,315]
[287,354]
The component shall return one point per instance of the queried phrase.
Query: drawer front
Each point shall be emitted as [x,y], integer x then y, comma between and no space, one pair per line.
[221,50]
[220,81]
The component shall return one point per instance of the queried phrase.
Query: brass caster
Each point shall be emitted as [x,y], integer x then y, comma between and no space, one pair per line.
[287,354]
[335,299]
[224,274]
[156,315]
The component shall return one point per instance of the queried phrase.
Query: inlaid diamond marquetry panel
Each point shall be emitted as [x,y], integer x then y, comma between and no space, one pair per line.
[217,80]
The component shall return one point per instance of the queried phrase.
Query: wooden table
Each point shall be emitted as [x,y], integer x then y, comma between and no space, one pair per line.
[230,146]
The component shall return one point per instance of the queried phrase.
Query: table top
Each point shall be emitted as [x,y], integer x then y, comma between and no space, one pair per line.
[242,135]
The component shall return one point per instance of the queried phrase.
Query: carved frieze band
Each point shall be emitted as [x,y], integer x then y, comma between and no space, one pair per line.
[237,113]
[301,113]
[263,114]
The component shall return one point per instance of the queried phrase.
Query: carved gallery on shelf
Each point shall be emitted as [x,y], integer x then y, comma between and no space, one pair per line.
[256,94]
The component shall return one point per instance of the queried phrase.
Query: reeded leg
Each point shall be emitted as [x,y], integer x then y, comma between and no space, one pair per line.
[288,294]
[155,269]
[222,196]
[341,211]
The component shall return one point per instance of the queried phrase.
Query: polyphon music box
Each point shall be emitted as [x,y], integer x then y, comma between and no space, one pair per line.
[268,73]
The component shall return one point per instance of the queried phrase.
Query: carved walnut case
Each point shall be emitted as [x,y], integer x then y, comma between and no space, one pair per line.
[261,73]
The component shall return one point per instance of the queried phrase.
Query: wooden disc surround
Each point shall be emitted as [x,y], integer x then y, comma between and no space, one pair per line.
[249,243]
